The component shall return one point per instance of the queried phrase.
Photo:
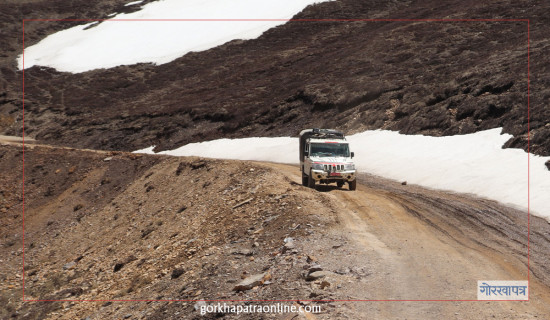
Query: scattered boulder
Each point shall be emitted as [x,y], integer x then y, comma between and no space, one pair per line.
[118,266]
[314,268]
[71,292]
[253,281]
[121,264]
[324,284]
[317,275]
[289,245]
[69,265]
[343,271]
[176,273]
[148,229]
[311,259]
[197,164]
[180,168]
[244,252]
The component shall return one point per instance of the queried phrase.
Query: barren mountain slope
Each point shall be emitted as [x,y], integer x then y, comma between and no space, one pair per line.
[112,225]
[435,78]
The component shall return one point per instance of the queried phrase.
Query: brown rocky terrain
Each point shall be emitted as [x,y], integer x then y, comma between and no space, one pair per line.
[116,235]
[103,225]
[436,78]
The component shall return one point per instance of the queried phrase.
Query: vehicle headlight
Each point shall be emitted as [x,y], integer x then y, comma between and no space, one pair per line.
[349,166]
[317,166]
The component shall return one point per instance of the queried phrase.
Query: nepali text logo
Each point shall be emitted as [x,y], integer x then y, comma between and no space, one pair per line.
[502,290]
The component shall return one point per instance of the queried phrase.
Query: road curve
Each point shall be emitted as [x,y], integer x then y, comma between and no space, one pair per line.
[423,244]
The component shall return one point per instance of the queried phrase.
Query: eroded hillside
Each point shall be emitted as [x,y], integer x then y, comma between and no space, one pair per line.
[125,226]
[437,78]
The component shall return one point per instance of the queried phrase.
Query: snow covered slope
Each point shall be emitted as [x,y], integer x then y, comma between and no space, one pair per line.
[164,36]
[473,163]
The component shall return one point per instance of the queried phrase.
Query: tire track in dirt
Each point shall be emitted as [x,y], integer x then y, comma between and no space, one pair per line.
[417,253]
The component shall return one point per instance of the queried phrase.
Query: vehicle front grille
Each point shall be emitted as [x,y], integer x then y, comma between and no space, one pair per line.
[330,168]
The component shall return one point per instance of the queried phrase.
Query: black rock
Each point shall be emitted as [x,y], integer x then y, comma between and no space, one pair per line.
[118,266]
[176,273]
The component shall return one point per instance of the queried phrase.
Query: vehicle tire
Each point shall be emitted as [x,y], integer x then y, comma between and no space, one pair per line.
[340,184]
[310,181]
[304,180]
[352,184]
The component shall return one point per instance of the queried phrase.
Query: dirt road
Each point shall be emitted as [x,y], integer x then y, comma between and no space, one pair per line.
[422,244]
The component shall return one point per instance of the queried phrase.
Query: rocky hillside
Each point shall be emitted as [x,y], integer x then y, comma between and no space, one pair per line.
[117,226]
[436,78]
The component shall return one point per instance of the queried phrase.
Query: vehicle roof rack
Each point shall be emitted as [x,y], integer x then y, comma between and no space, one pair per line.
[323,133]
[319,134]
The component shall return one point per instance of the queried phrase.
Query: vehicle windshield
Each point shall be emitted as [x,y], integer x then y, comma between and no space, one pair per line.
[329,150]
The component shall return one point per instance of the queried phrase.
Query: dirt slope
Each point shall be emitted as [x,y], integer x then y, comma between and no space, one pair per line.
[112,225]
[436,78]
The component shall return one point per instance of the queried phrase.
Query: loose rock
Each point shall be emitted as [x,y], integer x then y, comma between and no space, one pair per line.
[252,281]
[317,275]
[324,284]
[69,265]
[314,268]
[289,246]
[176,273]
[244,252]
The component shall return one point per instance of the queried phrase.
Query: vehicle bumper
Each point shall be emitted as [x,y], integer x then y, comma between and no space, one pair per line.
[320,175]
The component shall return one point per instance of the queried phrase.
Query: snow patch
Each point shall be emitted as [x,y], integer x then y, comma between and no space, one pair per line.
[160,36]
[474,163]
[133,3]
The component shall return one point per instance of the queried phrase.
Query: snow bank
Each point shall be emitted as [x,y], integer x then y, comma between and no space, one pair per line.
[117,42]
[283,150]
[473,163]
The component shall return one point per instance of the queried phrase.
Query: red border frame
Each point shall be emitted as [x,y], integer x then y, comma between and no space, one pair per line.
[288,20]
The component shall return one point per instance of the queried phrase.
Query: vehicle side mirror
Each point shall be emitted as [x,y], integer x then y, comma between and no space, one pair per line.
[353,154]
[306,153]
